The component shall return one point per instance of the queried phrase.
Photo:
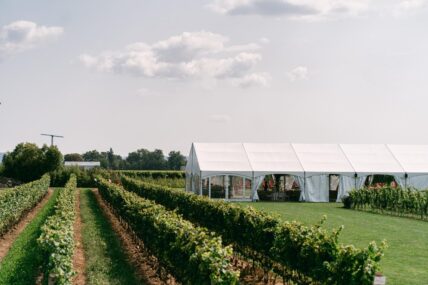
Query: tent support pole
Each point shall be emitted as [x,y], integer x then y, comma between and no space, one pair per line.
[405,181]
[243,187]
[200,184]
[209,187]
[252,187]
[226,185]
[355,181]
[192,151]
[304,185]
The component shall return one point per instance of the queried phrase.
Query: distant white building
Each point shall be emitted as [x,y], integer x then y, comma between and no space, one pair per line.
[82,164]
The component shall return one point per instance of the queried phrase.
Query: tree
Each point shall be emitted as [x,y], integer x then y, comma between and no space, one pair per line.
[114,161]
[144,159]
[52,158]
[28,162]
[110,158]
[107,159]
[176,160]
[94,155]
[133,161]
[73,157]
[154,160]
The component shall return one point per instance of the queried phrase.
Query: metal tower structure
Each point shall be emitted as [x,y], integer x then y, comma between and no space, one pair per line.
[52,137]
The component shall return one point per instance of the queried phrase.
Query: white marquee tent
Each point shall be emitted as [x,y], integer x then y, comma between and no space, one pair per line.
[310,164]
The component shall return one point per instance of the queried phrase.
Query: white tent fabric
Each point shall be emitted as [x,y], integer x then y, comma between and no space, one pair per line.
[323,158]
[319,160]
[346,184]
[302,187]
[269,158]
[401,180]
[414,159]
[418,181]
[220,159]
[256,185]
[317,188]
[360,180]
[368,159]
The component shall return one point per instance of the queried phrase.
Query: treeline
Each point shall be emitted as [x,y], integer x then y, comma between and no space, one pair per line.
[28,162]
[141,159]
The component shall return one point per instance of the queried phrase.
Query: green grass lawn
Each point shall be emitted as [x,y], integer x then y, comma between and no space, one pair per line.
[405,260]
[106,262]
[23,262]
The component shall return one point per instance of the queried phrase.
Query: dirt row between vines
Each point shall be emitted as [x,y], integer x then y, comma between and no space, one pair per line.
[8,239]
[144,264]
[79,252]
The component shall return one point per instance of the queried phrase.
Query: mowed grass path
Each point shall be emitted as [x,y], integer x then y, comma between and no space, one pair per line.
[405,260]
[106,262]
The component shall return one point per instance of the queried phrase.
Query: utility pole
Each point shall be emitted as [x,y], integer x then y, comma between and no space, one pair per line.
[52,137]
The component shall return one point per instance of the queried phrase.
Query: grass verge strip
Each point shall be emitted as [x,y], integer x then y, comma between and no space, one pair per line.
[105,260]
[25,258]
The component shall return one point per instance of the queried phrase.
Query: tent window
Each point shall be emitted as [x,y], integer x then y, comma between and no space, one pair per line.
[205,187]
[333,187]
[378,180]
[279,187]
[239,188]
[217,187]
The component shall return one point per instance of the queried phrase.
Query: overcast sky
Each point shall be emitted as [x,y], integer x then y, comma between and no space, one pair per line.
[135,74]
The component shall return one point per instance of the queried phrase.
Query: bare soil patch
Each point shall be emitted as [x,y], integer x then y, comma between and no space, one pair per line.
[6,241]
[147,268]
[79,256]
[253,275]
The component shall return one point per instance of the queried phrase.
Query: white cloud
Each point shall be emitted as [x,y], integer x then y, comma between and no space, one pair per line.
[221,118]
[189,55]
[315,9]
[298,73]
[264,40]
[143,92]
[254,79]
[185,46]
[412,4]
[405,7]
[19,36]
[296,9]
